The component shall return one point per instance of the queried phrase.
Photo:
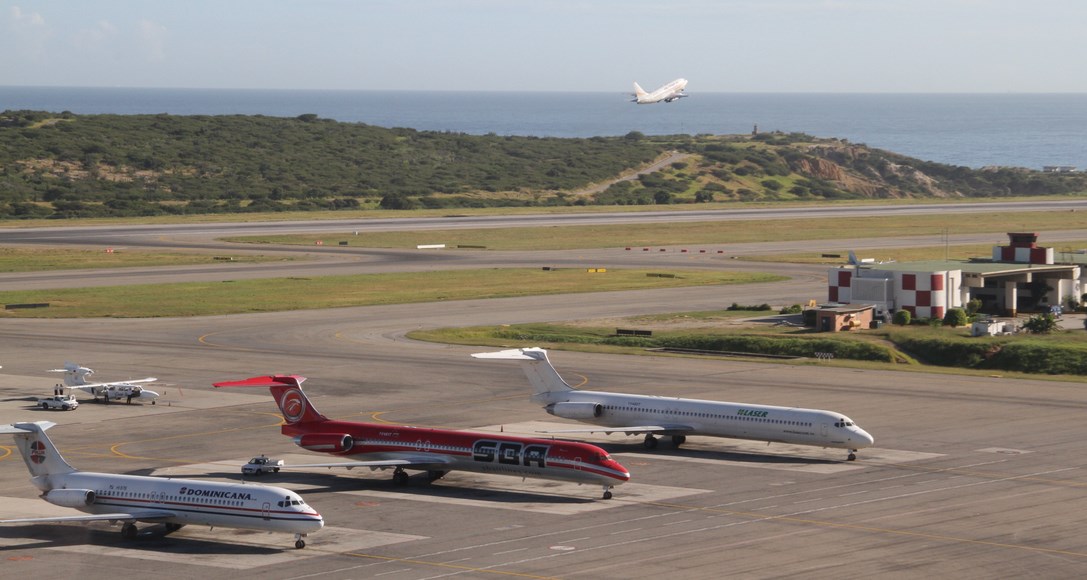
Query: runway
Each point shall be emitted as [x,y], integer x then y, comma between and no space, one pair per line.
[971,477]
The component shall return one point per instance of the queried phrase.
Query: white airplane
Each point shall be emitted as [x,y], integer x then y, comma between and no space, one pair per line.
[651,415]
[75,377]
[173,502]
[667,93]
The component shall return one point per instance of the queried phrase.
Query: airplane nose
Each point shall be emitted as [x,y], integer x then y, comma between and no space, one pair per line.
[865,437]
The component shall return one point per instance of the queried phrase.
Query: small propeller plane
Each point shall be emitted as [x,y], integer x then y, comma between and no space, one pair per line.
[170,501]
[75,377]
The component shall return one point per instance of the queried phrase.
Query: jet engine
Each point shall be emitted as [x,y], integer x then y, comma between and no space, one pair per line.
[326,442]
[73,498]
[576,410]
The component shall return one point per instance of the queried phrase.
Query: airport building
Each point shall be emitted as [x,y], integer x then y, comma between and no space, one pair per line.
[1019,277]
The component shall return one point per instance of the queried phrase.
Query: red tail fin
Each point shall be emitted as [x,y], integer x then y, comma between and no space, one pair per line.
[287,390]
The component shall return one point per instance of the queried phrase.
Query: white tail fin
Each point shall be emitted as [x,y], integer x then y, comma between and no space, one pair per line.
[536,366]
[74,374]
[39,453]
[639,92]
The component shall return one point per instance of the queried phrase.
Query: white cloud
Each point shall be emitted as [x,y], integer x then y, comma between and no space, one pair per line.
[152,36]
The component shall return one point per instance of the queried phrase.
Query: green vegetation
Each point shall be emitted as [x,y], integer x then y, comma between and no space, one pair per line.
[905,348]
[278,294]
[41,259]
[66,165]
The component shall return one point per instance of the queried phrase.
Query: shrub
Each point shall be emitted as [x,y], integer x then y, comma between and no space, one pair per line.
[902,318]
[955,317]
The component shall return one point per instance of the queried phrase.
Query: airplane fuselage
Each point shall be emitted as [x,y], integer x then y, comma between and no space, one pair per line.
[450,450]
[245,506]
[713,418]
[666,93]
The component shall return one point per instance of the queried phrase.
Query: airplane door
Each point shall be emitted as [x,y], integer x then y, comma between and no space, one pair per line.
[824,430]
[577,464]
[265,511]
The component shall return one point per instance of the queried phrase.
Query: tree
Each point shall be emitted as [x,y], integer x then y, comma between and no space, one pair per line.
[955,317]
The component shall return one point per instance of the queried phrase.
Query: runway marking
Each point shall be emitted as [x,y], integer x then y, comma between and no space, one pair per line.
[722,451]
[234,549]
[533,496]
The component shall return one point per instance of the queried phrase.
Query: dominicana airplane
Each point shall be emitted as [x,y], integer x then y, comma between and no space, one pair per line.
[436,451]
[652,416]
[173,502]
[667,93]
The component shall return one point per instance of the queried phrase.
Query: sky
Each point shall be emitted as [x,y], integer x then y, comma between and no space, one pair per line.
[869,46]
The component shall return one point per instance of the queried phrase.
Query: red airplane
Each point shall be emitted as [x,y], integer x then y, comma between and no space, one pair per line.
[436,451]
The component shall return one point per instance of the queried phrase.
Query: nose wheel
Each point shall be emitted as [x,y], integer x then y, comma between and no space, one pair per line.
[852,455]
[299,543]
[607,492]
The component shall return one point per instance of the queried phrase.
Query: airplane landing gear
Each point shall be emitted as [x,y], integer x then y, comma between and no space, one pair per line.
[299,543]
[678,440]
[171,528]
[852,455]
[607,492]
[400,477]
[650,441]
[129,531]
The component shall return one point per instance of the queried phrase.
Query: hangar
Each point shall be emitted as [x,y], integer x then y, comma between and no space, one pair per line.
[1019,277]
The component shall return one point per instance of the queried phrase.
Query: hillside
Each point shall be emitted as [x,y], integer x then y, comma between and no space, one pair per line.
[66,165]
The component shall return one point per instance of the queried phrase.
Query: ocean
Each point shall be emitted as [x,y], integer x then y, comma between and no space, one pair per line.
[972,130]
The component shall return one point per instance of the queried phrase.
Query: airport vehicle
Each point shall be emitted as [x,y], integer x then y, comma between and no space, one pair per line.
[262,464]
[172,502]
[75,377]
[678,418]
[666,93]
[59,402]
[436,451]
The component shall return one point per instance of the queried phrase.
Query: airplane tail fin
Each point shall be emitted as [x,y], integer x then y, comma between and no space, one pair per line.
[639,92]
[536,366]
[39,453]
[287,391]
[74,374]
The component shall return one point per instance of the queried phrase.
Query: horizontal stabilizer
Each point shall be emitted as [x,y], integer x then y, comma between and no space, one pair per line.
[266,381]
[515,354]
[23,428]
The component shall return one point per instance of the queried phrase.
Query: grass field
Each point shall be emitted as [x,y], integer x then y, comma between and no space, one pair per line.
[711,232]
[41,259]
[279,294]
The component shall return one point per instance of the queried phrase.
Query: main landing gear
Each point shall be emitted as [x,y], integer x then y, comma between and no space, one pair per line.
[299,543]
[400,477]
[171,528]
[852,455]
[129,531]
[651,441]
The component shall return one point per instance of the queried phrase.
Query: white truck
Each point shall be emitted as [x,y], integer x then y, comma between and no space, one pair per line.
[261,464]
[59,402]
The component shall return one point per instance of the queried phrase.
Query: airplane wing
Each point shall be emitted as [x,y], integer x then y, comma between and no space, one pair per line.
[113,384]
[143,516]
[632,430]
[420,462]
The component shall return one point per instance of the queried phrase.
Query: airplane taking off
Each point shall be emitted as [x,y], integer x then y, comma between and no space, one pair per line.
[651,415]
[667,93]
[75,377]
[436,451]
[173,502]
